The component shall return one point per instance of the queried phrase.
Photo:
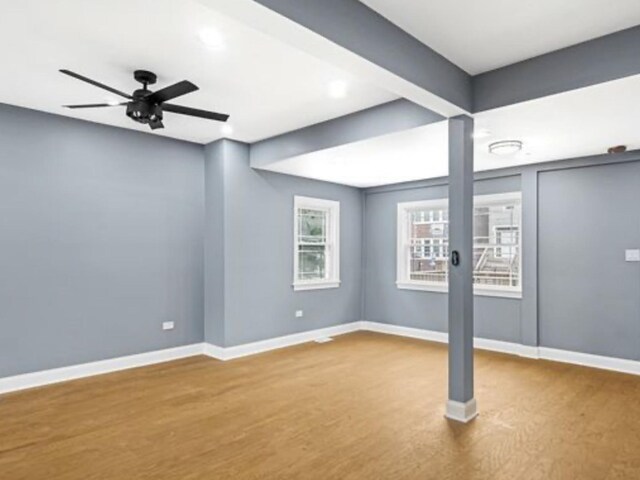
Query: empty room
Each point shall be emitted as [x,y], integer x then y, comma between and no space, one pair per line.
[338,239]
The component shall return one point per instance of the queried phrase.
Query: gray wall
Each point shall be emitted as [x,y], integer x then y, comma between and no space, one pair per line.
[259,301]
[589,297]
[578,218]
[105,233]
[495,318]
[100,241]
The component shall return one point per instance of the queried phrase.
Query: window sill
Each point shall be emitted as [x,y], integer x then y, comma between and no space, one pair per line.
[478,291]
[297,287]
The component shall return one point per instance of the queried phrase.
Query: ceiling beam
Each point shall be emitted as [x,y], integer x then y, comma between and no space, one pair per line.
[589,63]
[390,117]
[351,36]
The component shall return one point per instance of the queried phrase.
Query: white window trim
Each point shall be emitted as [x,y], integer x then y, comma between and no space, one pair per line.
[402,277]
[333,239]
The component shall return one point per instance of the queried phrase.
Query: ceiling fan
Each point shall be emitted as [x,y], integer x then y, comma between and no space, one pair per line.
[145,106]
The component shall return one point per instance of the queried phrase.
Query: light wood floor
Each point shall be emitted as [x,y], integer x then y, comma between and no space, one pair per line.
[365,406]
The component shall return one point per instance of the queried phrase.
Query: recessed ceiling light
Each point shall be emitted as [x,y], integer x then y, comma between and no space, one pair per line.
[338,89]
[505,147]
[227,130]
[212,39]
[482,133]
[113,102]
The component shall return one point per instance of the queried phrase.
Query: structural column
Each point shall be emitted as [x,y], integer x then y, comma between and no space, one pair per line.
[461,405]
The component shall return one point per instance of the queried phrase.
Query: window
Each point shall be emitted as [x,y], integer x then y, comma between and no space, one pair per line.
[316,261]
[423,245]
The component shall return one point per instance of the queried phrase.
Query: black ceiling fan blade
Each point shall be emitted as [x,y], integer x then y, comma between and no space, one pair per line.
[172,91]
[94,83]
[194,112]
[96,105]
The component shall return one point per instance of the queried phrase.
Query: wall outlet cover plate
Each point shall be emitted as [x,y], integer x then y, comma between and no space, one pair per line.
[632,255]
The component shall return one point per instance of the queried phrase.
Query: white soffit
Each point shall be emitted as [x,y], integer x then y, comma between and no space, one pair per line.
[573,124]
[267,87]
[392,158]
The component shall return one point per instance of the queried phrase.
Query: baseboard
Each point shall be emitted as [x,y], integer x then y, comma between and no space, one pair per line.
[544,353]
[443,337]
[47,377]
[410,332]
[238,351]
[55,375]
[589,360]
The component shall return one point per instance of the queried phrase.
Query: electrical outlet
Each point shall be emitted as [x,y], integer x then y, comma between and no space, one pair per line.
[632,255]
[168,325]
[299,314]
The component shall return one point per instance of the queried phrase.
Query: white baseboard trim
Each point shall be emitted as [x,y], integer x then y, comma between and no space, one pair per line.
[410,332]
[544,353]
[55,375]
[46,377]
[443,337]
[462,412]
[589,360]
[238,351]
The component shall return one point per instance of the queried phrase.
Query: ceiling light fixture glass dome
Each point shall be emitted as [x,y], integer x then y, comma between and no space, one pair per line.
[505,147]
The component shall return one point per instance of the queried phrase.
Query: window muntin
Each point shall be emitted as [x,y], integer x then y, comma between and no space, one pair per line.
[423,244]
[316,256]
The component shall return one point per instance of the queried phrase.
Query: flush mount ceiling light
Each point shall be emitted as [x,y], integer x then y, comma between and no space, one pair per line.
[212,39]
[505,147]
[338,89]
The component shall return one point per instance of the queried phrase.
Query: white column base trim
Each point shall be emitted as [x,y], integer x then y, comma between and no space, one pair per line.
[238,351]
[462,412]
[63,374]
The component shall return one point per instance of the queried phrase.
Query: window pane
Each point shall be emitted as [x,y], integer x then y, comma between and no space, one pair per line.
[428,245]
[497,245]
[496,232]
[312,262]
[312,226]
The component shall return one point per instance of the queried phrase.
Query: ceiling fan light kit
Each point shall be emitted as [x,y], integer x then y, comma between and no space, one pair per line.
[147,107]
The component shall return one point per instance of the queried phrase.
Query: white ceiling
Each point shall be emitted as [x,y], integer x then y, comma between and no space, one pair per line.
[483,35]
[266,86]
[568,125]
